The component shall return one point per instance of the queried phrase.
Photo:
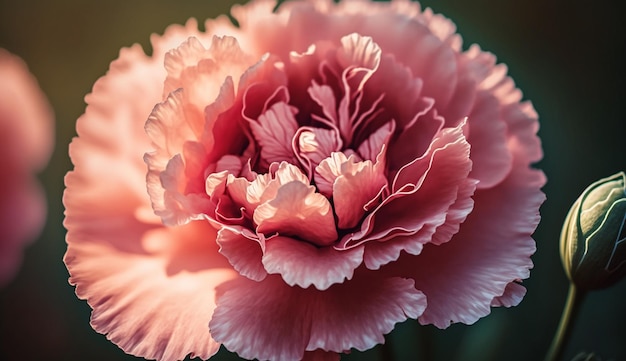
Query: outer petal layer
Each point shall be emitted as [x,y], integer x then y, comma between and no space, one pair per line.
[313,165]
[151,288]
[354,314]
[462,278]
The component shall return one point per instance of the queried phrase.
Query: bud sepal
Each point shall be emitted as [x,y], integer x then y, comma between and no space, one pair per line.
[593,239]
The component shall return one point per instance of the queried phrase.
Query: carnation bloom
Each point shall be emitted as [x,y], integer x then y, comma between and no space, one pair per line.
[314,176]
[26,139]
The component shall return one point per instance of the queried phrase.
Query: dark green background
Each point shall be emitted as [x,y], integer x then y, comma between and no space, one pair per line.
[566,56]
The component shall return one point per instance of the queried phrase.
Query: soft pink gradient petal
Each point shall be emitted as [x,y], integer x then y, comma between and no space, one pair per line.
[354,314]
[316,144]
[402,92]
[274,133]
[416,137]
[303,264]
[328,171]
[429,57]
[168,128]
[201,70]
[361,55]
[324,96]
[360,52]
[26,140]
[372,147]
[151,296]
[522,127]
[487,135]
[297,210]
[512,296]
[432,182]
[204,75]
[462,278]
[264,187]
[457,213]
[151,288]
[358,184]
[249,194]
[378,254]
[450,77]
[243,250]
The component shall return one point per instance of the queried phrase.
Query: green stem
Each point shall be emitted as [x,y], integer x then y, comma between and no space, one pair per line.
[570,311]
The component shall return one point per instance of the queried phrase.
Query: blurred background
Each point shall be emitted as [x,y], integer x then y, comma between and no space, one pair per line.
[566,56]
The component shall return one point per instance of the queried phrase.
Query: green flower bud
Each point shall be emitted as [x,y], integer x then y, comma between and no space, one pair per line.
[593,239]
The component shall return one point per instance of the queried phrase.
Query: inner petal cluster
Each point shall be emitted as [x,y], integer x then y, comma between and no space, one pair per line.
[314,149]
[310,176]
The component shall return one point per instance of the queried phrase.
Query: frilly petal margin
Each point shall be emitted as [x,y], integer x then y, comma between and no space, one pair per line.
[150,297]
[354,314]
[303,264]
[463,278]
[151,288]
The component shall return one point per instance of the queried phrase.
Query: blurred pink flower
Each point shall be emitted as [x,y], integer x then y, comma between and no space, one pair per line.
[290,162]
[26,139]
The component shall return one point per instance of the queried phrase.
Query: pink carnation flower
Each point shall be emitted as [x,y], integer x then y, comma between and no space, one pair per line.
[26,139]
[318,174]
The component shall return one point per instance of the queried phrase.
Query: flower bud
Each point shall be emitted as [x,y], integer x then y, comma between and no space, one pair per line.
[593,239]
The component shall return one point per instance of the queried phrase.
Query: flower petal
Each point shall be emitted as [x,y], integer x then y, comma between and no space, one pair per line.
[324,96]
[185,123]
[362,54]
[243,250]
[168,128]
[179,207]
[297,210]
[512,296]
[522,125]
[303,264]
[167,125]
[378,254]
[434,182]
[373,145]
[137,275]
[462,277]
[274,132]
[488,137]
[248,194]
[354,314]
[316,144]
[327,172]
[151,288]
[416,137]
[430,55]
[201,71]
[358,184]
